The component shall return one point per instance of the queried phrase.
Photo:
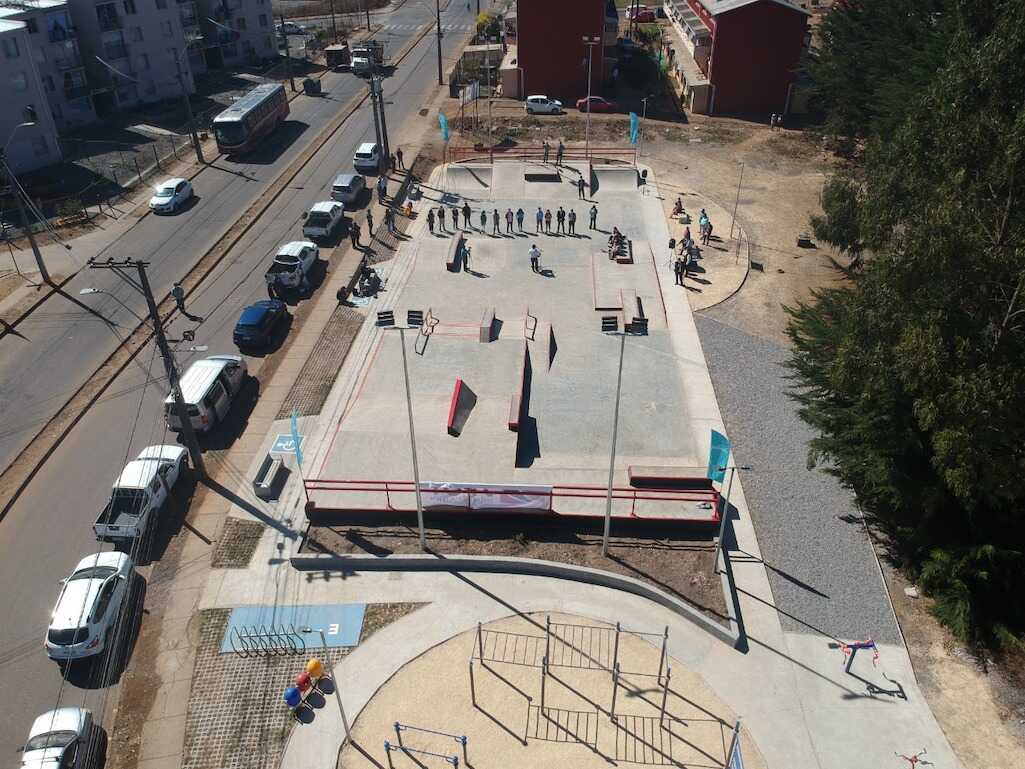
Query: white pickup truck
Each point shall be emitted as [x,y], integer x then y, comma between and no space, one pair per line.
[143,487]
[292,265]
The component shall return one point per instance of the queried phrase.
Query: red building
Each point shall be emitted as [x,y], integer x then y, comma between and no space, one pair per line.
[749,50]
[550,48]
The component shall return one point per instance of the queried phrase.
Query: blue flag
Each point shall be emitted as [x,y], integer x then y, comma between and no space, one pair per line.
[737,759]
[635,127]
[296,438]
[718,456]
[443,122]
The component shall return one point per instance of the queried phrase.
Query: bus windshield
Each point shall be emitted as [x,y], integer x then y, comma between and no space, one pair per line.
[230,133]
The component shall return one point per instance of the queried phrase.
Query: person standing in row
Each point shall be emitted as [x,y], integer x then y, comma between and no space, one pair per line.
[370,222]
[455,217]
[535,258]
[466,215]
[495,229]
[354,234]
[678,269]
[594,217]
[519,218]
[559,152]
[441,219]
[539,217]
[560,221]
[548,221]
[389,219]
[430,219]
[483,220]
[398,157]
[580,187]
[466,257]
[572,216]
[508,220]
[547,149]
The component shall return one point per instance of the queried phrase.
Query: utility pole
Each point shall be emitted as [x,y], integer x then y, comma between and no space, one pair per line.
[366,7]
[590,42]
[188,111]
[377,119]
[736,203]
[437,11]
[16,191]
[288,55]
[170,366]
[384,122]
[334,28]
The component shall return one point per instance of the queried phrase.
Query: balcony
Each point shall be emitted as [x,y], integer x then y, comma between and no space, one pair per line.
[68,61]
[58,34]
[112,51]
[76,92]
[107,17]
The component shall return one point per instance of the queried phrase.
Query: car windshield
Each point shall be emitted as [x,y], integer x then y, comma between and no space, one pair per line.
[230,132]
[50,740]
[318,218]
[166,191]
[93,572]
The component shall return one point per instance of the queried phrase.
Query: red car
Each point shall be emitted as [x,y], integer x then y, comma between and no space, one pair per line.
[645,17]
[598,104]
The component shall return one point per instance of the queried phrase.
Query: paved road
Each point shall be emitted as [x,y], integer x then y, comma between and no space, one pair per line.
[48,530]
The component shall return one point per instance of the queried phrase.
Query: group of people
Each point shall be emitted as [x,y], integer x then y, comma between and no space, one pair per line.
[617,243]
[565,221]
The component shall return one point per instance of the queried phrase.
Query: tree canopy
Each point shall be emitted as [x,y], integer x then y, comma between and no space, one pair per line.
[914,372]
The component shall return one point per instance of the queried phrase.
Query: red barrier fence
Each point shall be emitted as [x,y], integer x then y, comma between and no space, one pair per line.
[694,505]
[536,152]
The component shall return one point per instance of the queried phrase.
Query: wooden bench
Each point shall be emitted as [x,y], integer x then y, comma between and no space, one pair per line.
[453,262]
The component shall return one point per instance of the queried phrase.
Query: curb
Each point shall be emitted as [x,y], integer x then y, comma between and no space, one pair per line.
[730,634]
[735,291]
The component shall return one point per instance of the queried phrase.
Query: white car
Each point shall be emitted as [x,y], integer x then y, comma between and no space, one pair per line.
[323,220]
[171,195]
[88,606]
[292,264]
[59,740]
[367,158]
[543,105]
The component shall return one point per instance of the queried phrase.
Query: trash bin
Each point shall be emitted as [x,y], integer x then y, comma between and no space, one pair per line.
[311,87]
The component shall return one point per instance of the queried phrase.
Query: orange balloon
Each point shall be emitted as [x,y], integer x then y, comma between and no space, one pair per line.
[315,668]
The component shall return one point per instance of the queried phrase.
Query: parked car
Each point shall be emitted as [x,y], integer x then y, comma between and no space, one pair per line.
[292,265]
[323,220]
[209,387]
[290,28]
[645,16]
[543,105]
[347,187]
[257,323]
[367,158]
[59,739]
[88,606]
[171,195]
[598,104]
[143,487]
[635,10]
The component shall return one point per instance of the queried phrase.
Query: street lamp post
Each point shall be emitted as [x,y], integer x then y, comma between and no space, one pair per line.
[736,203]
[334,678]
[437,11]
[590,42]
[725,512]
[16,190]
[640,128]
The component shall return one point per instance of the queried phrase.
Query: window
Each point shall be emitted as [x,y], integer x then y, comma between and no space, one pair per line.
[129,7]
[106,15]
[166,28]
[263,19]
[30,24]
[161,5]
[48,81]
[19,81]
[144,61]
[103,600]
[240,23]
[39,146]
[10,46]
[137,34]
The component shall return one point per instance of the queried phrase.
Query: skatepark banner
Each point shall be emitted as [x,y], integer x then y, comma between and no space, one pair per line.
[486,496]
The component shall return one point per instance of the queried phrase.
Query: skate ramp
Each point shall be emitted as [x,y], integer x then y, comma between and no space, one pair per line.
[615,178]
[468,179]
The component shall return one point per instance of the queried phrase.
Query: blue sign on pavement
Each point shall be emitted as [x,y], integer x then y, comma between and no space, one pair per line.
[718,456]
[342,623]
[285,444]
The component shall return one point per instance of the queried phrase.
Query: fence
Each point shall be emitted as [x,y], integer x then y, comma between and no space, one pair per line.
[536,152]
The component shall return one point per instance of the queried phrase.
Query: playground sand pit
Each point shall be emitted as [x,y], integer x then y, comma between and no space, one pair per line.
[679,563]
[573,719]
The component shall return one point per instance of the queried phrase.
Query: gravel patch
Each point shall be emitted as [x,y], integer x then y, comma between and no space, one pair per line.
[822,569]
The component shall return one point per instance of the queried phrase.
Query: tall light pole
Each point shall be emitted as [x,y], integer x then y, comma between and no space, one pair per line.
[334,678]
[610,327]
[188,108]
[590,42]
[736,203]
[17,191]
[437,12]
[640,127]
[725,512]
[386,320]
[366,7]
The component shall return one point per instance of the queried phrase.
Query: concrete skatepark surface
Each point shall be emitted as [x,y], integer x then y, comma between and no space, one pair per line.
[569,401]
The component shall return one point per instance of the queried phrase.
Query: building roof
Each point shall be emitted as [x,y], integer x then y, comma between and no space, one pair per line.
[10,8]
[719,7]
[11,26]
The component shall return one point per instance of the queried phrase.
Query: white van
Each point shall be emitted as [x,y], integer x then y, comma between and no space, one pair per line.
[208,386]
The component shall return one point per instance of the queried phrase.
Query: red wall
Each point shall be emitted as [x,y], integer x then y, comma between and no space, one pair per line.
[755,53]
[550,49]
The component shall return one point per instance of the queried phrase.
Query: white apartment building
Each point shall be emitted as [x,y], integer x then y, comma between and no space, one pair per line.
[24,99]
[237,32]
[54,44]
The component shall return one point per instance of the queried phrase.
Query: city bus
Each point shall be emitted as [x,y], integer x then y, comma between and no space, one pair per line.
[240,128]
